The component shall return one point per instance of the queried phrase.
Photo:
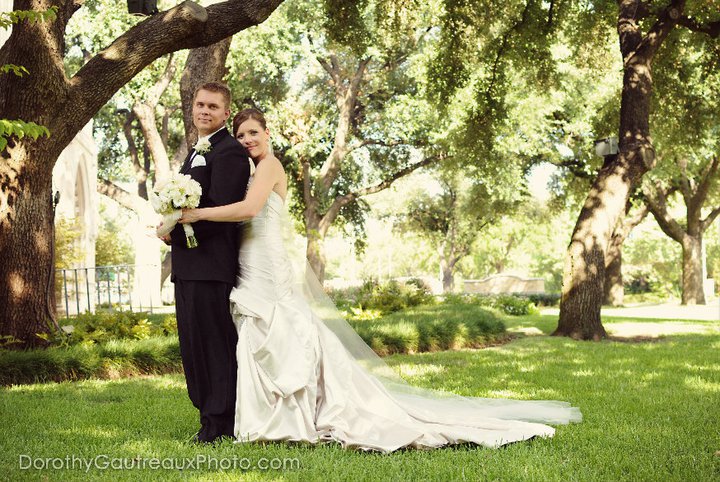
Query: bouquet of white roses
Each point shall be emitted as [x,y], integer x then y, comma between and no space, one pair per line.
[169,197]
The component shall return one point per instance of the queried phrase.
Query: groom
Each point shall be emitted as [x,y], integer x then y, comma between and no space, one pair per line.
[204,275]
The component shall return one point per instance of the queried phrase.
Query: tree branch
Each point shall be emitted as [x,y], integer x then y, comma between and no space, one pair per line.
[627,223]
[551,11]
[708,176]
[347,98]
[685,183]
[375,142]
[307,194]
[503,46]
[576,168]
[667,20]
[186,26]
[712,29]
[342,201]
[401,173]
[636,218]
[627,27]
[124,198]
[156,91]
[146,117]
[132,147]
[657,203]
[705,223]
[333,71]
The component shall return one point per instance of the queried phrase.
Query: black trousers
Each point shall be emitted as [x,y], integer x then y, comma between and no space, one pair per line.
[208,341]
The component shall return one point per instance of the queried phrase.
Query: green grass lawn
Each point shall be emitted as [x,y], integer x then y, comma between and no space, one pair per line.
[651,413]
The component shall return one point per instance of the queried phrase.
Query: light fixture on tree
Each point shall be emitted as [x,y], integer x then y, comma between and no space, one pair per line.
[142,7]
[606,147]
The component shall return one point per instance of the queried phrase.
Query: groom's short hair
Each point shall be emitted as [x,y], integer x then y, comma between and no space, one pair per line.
[217,87]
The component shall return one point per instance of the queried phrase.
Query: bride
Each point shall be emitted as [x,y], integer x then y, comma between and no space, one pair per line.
[305,375]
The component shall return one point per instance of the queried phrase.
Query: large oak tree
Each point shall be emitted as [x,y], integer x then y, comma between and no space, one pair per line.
[64,105]
[642,28]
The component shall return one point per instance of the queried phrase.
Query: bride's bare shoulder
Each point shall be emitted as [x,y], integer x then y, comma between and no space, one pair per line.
[276,164]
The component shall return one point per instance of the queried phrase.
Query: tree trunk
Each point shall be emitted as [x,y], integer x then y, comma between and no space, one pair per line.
[448,260]
[614,289]
[204,64]
[583,278]
[27,278]
[448,279]
[689,235]
[584,273]
[165,268]
[692,280]
[154,145]
[316,252]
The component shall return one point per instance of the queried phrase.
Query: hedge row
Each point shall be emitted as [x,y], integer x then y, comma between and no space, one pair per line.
[420,329]
[112,359]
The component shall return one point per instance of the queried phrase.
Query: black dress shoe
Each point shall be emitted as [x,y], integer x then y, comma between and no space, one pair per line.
[198,440]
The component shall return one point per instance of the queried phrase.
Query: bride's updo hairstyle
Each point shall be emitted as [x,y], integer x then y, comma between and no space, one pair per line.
[246,114]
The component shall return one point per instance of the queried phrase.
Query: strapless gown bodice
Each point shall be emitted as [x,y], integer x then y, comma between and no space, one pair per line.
[264,276]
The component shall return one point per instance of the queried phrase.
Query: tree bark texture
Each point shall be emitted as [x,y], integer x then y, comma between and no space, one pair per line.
[614,288]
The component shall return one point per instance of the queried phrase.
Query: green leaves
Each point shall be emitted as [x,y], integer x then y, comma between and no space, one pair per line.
[18,70]
[345,24]
[20,129]
[9,18]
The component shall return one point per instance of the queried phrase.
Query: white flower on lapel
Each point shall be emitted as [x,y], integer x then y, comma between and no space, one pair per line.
[202,146]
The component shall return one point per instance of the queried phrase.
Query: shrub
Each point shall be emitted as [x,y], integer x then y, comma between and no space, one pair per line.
[384,298]
[454,298]
[639,281]
[431,328]
[419,329]
[515,305]
[111,359]
[545,299]
[91,328]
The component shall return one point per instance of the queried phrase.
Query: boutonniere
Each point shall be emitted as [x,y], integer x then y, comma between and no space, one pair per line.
[202,146]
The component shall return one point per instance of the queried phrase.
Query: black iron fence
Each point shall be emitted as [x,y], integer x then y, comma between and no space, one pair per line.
[118,287]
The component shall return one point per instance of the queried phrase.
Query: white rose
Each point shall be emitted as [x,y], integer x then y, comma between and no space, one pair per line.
[202,146]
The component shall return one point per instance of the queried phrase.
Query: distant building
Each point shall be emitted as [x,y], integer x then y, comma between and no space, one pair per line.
[75,179]
[505,284]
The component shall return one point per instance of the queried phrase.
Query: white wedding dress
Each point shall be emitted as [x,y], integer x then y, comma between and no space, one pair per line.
[304,375]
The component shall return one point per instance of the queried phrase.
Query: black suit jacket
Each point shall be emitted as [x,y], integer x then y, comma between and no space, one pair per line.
[224,180]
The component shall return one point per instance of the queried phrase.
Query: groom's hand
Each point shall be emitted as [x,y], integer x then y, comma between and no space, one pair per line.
[189,216]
